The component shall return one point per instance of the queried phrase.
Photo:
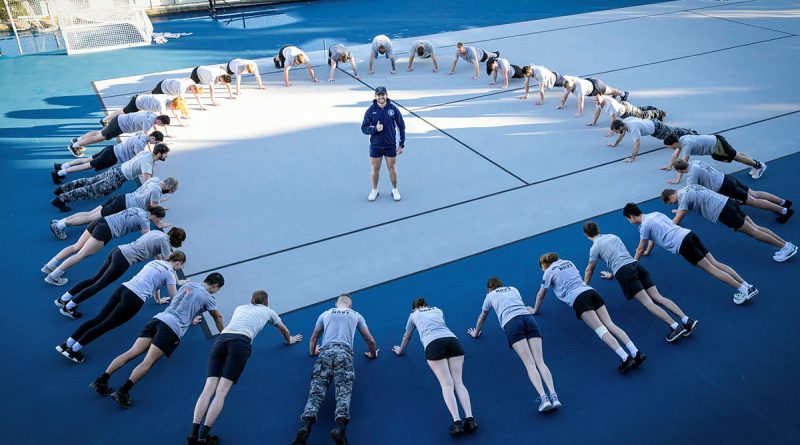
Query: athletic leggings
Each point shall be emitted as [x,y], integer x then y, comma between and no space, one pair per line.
[121,307]
[113,268]
[648,112]
[94,187]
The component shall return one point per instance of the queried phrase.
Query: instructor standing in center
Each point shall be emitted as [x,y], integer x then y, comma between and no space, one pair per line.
[379,123]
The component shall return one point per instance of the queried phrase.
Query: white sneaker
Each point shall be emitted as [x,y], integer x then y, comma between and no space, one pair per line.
[784,254]
[396,194]
[741,297]
[545,404]
[60,281]
[372,195]
[46,269]
[756,173]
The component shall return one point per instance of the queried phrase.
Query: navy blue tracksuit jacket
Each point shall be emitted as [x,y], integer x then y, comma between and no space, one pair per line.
[389,116]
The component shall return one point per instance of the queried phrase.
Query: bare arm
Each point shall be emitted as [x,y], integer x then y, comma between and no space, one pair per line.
[476,331]
[312,343]
[596,116]
[587,274]
[410,62]
[527,86]
[211,92]
[477,69]
[406,338]
[288,338]
[391,60]
[218,320]
[563,99]
[286,76]
[580,106]
[333,70]
[435,64]
[230,93]
[311,72]
[371,345]
[199,102]
[639,250]
[679,215]
[353,64]
[619,139]
[371,60]
[675,153]
[258,80]
[636,145]
[539,298]
[238,81]
[505,78]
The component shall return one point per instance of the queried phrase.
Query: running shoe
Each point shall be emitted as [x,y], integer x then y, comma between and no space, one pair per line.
[675,334]
[54,176]
[101,387]
[625,96]
[77,152]
[784,254]
[62,348]
[544,404]
[554,401]
[209,440]
[456,428]
[741,297]
[339,436]
[690,325]
[626,365]
[58,233]
[787,203]
[60,205]
[58,191]
[470,425]
[60,304]
[75,356]
[277,62]
[123,399]
[46,269]
[396,194]
[71,313]
[785,217]
[56,166]
[102,122]
[373,195]
[60,281]
[639,359]
[757,173]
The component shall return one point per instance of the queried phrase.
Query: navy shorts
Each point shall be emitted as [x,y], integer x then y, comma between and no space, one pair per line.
[157,89]
[229,356]
[111,130]
[379,152]
[521,327]
[633,278]
[443,348]
[598,87]
[732,215]
[131,107]
[195,78]
[114,205]
[104,159]
[163,337]
[692,249]
[100,231]
[733,188]
[588,300]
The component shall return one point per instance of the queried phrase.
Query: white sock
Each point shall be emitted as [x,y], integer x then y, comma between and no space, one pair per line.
[62,172]
[57,273]
[621,353]
[744,288]
[70,342]
[66,165]
[66,297]
[61,224]
[673,325]
[52,264]
[76,347]
[631,348]
[685,319]
[784,210]
[71,305]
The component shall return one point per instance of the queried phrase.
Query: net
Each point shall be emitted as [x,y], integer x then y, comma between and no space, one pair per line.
[100,25]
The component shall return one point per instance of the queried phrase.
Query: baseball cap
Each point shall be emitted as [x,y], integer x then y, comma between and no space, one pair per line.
[380,90]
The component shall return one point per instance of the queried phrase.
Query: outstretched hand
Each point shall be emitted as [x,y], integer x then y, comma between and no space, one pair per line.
[473,333]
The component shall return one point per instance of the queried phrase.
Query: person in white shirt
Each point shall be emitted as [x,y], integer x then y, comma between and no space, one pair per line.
[238,67]
[505,67]
[445,357]
[227,361]
[715,207]
[126,302]
[473,55]
[157,103]
[621,109]
[423,49]
[341,54]
[714,145]
[564,278]
[587,87]
[678,240]
[698,172]
[126,123]
[381,46]
[211,75]
[179,87]
[289,57]
[523,336]
[547,79]
[642,127]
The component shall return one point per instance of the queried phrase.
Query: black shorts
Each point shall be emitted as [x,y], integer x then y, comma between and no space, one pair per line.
[281,57]
[598,87]
[228,69]
[229,356]
[443,348]
[164,338]
[100,231]
[115,204]
[732,215]
[104,159]
[485,57]
[111,130]
[692,249]
[588,300]
[733,188]
[195,78]
[728,155]
[633,278]
[157,89]
[521,327]
[131,107]
[516,72]
[559,80]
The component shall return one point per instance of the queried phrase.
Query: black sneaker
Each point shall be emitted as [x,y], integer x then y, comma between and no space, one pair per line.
[209,440]
[302,435]
[102,122]
[191,440]
[339,435]
[676,333]
[56,166]
[123,399]
[785,217]
[456,428]
[62,348]
[470,425]
[277,62]
[71,313]
[787,203]
[689,326]
[75,356]
[74,151]
[626,365]
[54,176]
[60,304]
[58,191]
[625,96]
[101,387]
[60,205]
[639,359]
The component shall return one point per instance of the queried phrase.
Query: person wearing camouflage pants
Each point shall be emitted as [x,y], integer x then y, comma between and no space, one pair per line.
[334,364]
[643,127]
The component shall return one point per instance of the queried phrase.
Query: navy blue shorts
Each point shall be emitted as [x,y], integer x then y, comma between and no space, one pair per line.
[521,327]
[379,152]
[161,335]
[443,348]
[588,300]
[633,278]
[104,159]
[229,356]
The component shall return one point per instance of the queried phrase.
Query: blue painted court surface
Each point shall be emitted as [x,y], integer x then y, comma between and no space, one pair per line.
[731,382]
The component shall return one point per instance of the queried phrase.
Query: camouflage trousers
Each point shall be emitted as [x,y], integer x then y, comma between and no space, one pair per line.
[664,130]
[647,112]
[95,187]
[334,364]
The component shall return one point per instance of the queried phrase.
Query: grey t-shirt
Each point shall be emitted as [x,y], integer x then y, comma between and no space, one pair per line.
[430,323]
[543,76]
[209,74]
[502,65]
[337,51]
[697,144]
[192,300]
[127,149]
[176,87]
[138,121]
[153,275]
[147,246]
[148,192]
[639,127]
[339,326]
[127,221]
[250,319]
[703,174]
[157,103]
[471,54]
[387,44]
[661,230]
[699,199]
[427,48]
[141,163]
[610,249]
[565,280]
[506,302]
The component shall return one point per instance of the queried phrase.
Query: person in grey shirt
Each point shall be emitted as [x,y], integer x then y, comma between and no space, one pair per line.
[96,236]
[505,67]
[715,207]
[445,356]
[381,46]
[634,280]
[714,145]
[424,50]
[337,326]
[162,335]
[341,54]
[473,55]
[142,121]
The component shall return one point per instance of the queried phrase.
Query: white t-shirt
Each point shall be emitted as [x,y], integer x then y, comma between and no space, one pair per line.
[141,163]
[543,76]
[291,53]
[430,323]
[611,107]
[471,54]
[387,44]
[127,149]
[148,192]
[250,319]
[661,230]
[565,280]
[697,144]
[209,74]
[427,48]
[502,66]
[176,87]
[239,66]
[639,127]
[582,86]
[157,103]
[139,121]
[701,173]
[707,203]
[506,302]
[153,276]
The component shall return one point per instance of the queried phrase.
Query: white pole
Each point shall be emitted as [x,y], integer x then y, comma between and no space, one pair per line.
[13,26]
